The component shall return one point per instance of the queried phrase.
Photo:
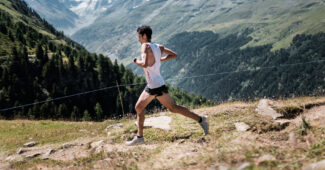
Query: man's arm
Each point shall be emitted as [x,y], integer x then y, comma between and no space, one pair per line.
[170,53]
[144,61]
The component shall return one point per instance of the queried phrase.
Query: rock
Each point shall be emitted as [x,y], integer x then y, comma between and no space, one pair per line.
[83,130]
[50,151]
[33,155]
[194,150]
[283,122]
[20,151]
[241,126]
[264,107]
[10,158]
[265,158]
[181,141]
[30,144]
[159,122]
[244,166]
[67,145]
[315,166]
[99,149]
[119,125]
[134,154]
[97,144]
[221,167]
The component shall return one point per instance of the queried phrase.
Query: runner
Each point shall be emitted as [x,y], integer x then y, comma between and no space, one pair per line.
[151,58]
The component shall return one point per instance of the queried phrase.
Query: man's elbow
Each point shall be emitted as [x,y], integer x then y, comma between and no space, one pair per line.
[175,56]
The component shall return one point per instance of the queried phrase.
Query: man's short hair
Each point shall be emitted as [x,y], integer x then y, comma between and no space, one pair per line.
[145,29]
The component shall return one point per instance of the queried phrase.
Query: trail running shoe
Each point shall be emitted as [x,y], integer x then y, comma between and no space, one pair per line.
[205,126]
[135,141]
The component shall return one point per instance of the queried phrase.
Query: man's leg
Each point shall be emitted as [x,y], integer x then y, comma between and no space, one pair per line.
[168,102]
[144,99]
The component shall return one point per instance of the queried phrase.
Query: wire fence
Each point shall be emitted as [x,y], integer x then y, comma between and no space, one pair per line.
[168,80]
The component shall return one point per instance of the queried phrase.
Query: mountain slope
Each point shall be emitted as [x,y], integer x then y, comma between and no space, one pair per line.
[273,22]
[56,13]
[70,15]
[230,72]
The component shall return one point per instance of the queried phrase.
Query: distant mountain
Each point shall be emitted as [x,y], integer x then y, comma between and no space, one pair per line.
[273,22]
[70,15]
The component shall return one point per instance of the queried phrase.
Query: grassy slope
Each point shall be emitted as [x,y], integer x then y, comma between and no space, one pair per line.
[223,146]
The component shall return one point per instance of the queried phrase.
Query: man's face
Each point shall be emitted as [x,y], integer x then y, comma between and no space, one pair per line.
[141,38]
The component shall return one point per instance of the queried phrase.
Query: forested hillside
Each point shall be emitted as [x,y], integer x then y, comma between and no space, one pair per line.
[39,63]
[205,53]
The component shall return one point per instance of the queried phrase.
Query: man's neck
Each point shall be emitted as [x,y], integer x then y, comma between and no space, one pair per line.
[145,42]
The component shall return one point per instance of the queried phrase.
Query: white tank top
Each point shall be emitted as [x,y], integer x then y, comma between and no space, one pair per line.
[152,74]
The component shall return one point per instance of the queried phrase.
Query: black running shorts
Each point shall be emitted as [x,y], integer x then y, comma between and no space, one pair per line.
[157,91]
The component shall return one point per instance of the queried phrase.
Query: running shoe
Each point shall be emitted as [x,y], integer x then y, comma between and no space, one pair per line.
[205,126]
[135,141]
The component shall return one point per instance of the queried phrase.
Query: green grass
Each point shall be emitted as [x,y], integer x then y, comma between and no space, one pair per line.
[223,146]
[13,134]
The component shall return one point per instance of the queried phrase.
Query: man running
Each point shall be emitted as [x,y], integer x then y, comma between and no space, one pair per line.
[151,58]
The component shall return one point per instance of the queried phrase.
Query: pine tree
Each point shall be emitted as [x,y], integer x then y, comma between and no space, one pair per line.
[86,116]
[75,113]
[99,112]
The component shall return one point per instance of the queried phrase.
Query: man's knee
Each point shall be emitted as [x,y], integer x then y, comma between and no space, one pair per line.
[139,108]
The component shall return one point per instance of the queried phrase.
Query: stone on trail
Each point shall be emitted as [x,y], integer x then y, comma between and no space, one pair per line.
[265,158]
[315,166]
[20,151]
[244,166]
[67,145]
[33,155]
[119,125]
[49,152]
[264,107]
[97,144]
[30,144]
[160,122]
[241,126]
